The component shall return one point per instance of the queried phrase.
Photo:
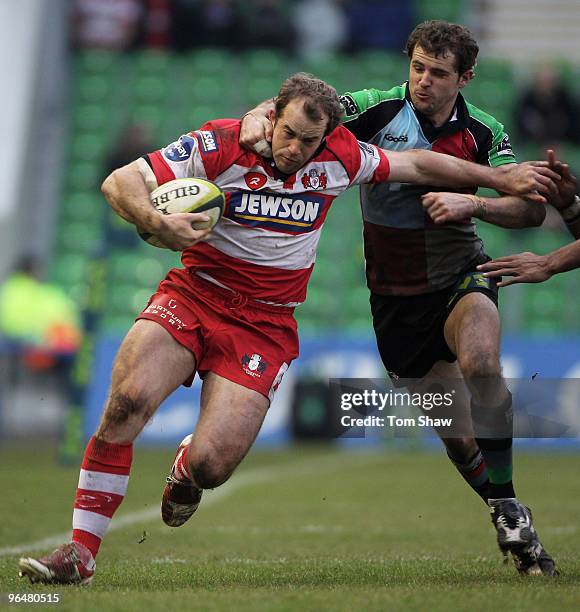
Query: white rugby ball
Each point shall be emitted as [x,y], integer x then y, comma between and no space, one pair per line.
[187,195]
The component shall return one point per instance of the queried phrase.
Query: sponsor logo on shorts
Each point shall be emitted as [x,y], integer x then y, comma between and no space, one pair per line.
[208,141]
[167,315]
[254,365]
[255,180]
[314,179]
[273,211]
[179,150]
[350,107]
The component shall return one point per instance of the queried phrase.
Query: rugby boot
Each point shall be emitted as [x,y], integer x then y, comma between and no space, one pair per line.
[70,563]
[516,535]
[181,497]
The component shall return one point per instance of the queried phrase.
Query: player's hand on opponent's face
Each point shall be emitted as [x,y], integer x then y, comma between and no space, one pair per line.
[534,181]
[256,132]
[445,207]
[566,188]
[521,268]
[176,230]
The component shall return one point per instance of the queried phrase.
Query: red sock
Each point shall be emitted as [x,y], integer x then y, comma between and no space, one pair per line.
[181,466]
[102,486]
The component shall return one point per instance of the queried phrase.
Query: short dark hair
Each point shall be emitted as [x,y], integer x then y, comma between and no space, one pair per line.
[439,37]
[319,98]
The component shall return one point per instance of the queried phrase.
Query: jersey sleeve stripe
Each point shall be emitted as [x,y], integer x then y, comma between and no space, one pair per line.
[161,169]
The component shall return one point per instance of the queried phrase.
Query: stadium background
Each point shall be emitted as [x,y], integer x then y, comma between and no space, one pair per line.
[70,107]
[63,112]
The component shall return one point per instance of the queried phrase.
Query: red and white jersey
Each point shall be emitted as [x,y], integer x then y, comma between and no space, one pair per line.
[265,244]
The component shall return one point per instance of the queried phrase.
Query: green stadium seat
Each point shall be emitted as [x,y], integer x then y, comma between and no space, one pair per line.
[216,63]
[99,62]
[94,88]
[69,269]
[83,206]
[335,70]
[542,241]
[80,238]
[545,308]
[208,90]
[492,69]
[154,62]
[380,69]
[90,117]
[256,89]
[151,115]
[90,146]
[150,89]
[150,271]
[121,266]
[198,115]
[266,62]
[128,300]
[449,10]
[82,176]
[117,324]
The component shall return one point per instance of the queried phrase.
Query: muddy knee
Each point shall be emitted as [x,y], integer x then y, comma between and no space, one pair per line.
[209,467]
[125,410]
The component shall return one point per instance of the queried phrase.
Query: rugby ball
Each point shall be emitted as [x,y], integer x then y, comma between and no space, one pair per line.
[187,195]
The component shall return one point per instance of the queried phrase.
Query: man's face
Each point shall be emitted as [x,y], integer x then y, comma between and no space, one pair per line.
[295,137]
[434,83]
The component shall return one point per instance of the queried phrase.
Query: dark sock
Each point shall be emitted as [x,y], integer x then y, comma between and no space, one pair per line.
[474,472]
[493,434]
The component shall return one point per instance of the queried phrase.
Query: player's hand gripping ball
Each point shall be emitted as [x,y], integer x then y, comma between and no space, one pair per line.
[187,195]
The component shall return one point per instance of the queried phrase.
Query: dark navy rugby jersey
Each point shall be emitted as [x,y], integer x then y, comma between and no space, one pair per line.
[406,253]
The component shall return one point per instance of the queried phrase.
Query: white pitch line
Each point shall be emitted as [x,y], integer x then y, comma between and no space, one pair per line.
[149,514]
[302,467]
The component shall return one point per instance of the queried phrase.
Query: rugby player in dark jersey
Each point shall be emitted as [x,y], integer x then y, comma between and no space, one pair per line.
[434,314]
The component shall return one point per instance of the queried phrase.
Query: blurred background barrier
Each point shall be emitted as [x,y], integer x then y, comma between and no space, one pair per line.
[303,408]
[113,80]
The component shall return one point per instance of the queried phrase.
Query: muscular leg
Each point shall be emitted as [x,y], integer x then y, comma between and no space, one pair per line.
[149,366]
[230,419]
[472,332]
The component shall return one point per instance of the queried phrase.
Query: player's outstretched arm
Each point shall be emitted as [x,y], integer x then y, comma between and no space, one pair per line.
[531,268]
[509,211]
[127,193]
[565,199]
[430,168]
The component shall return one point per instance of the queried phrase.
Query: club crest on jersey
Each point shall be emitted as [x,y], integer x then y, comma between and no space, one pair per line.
[179,150]
[254,365]
[314,179]
[208,140]
[255,180]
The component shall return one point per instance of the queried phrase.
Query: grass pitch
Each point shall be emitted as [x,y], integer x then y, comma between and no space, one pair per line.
[302,529]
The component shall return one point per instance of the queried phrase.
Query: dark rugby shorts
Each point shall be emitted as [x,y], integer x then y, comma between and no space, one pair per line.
[409,329]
